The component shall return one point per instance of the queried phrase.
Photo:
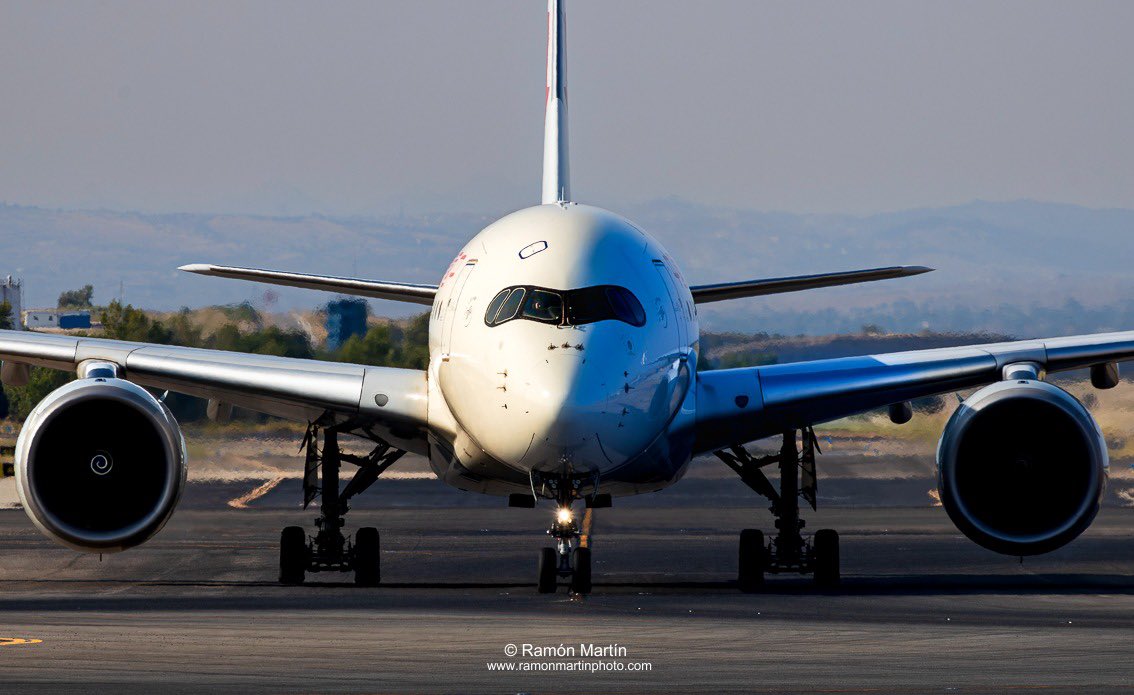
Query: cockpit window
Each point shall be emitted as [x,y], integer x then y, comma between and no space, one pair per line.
[543,306]
[509,307]
[494,306]
[626,306]
[570,308]
[589,305]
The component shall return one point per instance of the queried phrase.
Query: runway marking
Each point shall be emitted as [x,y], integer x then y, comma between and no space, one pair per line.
[1127,497]
[585,536]
[409,475]
[12,641]
[256,493]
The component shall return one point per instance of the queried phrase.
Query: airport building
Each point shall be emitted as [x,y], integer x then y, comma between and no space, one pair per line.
[12,291]
[345,318]
[56,318]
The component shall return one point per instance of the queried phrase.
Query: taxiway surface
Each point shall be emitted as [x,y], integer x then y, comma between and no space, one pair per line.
[921,608]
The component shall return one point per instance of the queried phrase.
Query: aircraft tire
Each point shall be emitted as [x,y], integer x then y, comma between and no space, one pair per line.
[293,555]
[581,579]
[752,560]
[825,547]
[548,571]
[367,558]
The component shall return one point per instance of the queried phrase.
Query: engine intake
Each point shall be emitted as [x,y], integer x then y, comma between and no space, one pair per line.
[100,464]
[1021,467]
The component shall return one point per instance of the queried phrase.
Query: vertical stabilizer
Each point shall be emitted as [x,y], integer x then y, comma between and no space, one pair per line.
[556,174]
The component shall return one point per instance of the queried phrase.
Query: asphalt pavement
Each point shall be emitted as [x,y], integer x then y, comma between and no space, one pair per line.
[921,608]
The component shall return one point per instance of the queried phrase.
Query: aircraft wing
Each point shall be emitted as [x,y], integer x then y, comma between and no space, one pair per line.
[735,406]
[702,294]
[391,401]
[397,291]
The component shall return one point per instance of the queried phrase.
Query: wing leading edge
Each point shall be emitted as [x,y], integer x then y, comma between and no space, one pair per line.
[703,294]
[741,405]
[397,291]
[392,400]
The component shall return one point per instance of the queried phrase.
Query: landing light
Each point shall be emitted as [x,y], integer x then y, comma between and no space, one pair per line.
[564,515]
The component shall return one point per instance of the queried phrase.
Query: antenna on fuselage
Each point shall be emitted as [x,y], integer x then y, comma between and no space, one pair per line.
[556,174]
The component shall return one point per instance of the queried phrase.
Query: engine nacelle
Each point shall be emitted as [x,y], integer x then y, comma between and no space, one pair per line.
[100,464]
[1021,467]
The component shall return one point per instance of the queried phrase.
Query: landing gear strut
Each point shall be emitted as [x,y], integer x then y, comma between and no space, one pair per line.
[329,550]
[569,558]
[788,551]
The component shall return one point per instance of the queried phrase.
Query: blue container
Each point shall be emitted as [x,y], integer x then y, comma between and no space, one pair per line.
[75,319]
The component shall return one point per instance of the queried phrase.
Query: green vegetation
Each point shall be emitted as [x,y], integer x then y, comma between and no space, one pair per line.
[5,324]
[266,341]
[242,312]
[750,359]
[127,323]
[6,320]
[77,299]
[389,345]
[21,399]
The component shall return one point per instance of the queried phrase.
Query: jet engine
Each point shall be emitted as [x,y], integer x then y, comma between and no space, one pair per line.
[100,464]
[1021,467]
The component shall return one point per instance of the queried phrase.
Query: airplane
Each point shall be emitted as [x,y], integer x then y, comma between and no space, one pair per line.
[564,365]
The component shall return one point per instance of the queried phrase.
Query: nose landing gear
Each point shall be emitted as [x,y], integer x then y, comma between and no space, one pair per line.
[788,551]
[570,558]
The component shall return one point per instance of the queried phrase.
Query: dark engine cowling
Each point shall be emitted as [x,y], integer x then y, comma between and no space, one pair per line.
[100,465]
[1021,467]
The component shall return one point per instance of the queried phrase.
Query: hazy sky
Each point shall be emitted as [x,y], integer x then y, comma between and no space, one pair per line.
[368,107]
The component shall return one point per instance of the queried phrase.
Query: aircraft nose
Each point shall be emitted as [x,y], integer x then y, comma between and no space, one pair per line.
[565,406]
[554,411]
[587,415]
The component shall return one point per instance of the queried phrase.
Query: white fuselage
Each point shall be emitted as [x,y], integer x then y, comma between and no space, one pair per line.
[550,391]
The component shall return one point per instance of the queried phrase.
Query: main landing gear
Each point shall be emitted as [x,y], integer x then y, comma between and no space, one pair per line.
[329,550]
[570,558]
[788,551]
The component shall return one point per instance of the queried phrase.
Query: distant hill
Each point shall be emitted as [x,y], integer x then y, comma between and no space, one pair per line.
[54,250]
[1024,268]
